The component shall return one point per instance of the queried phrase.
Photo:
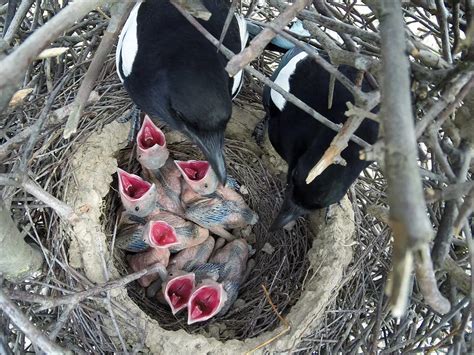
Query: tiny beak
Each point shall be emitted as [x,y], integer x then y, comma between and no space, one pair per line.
[212,145]
[289,212]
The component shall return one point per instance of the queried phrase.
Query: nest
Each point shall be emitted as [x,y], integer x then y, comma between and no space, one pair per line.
[280,260]
[357,320]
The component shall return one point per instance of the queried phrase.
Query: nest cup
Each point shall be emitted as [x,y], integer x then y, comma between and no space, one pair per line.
[299,269]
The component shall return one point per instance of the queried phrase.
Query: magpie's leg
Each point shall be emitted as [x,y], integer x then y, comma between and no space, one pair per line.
[259,131]
[134,115]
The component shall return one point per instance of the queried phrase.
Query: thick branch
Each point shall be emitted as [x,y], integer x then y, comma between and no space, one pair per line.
[258,44]
[408,219]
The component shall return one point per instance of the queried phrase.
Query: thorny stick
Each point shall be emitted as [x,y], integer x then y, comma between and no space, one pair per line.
[23,323]
[17,20]
[288,96]
[258,44]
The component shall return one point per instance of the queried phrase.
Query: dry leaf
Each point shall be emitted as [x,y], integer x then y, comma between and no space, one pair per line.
[52,52]
[19,96]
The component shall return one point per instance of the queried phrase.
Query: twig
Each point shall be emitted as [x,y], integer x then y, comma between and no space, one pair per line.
[340,142]
[23,323]
[62,209]
[258,44]
[288,96]
[33,139]
[408,219]
[76,298]
[17,20]
[11,9]
[228,20]
[14,66]
[119,15]
[282,320]
[442,15]
[426,279]
[442,242]
[464,211]
[451,192]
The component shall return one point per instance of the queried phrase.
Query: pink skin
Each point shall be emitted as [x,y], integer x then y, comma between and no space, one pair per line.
[168,185]
[178,291]
[151,146]
[199,175]
[196,255]
[166,230]
[206,301]
[138,196]
[148,258]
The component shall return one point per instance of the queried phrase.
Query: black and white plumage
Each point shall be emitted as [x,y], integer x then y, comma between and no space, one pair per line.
[173,73]
[301,140]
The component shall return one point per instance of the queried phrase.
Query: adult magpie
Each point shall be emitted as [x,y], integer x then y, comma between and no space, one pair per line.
[301,140]
[173,73]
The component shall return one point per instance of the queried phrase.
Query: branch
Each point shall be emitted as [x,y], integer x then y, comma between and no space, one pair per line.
[442,16]
[288,96]
[14,66]
[408,220]
[451,192]
[464,211]
[120,12]
[62,209]
[22,322]
[75,298]
[332,155]
[17,20]
[258,44]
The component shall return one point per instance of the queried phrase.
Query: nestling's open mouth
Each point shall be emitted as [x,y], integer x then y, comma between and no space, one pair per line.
[161,234]
[204,303]
[178,291]
[132,185]
[150,135]
[195,170]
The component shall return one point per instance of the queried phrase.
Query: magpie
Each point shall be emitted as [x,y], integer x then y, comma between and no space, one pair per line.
[174,74]
[301,140]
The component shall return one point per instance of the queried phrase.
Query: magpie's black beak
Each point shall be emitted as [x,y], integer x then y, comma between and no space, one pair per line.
[212,145]
[289,211]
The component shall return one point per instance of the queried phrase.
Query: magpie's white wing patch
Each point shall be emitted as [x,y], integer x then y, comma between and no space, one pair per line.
[283,79]
[244,36]
[127,46]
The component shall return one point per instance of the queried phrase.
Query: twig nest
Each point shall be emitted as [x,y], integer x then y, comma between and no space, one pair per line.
[94,164]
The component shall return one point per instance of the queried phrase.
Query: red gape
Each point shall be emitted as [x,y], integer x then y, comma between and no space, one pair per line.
[150,135]
[162,234]
[178,291]
[133,186]
[194,169]
[206,301]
